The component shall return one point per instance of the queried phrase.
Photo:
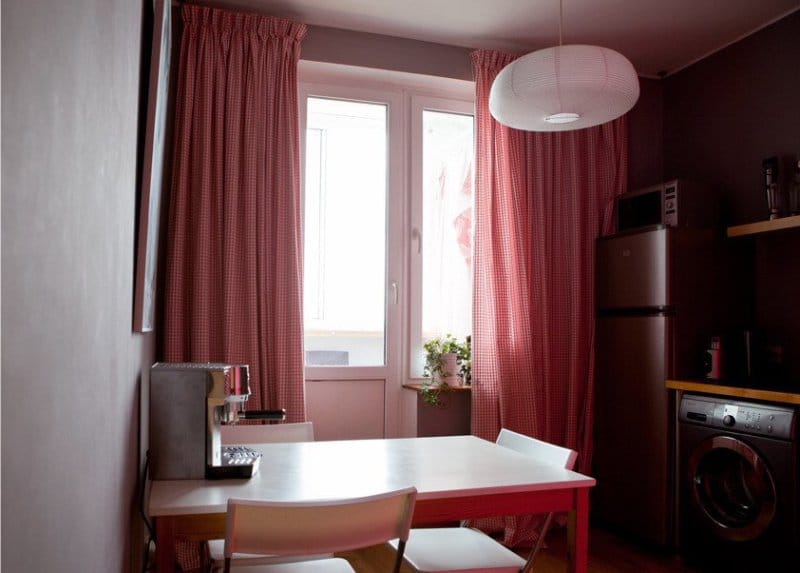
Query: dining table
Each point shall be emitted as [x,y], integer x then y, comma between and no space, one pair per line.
[457,478]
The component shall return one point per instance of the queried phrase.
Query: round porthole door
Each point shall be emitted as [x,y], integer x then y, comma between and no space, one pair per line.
[732,488]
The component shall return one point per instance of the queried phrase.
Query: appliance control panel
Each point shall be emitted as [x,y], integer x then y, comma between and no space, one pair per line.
[743,417]
[670,216]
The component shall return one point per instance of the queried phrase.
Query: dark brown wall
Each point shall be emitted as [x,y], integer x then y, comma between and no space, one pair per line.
[726,113]
[645,136]
[722,117]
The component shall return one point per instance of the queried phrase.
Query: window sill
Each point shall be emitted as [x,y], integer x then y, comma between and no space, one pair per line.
[418,387]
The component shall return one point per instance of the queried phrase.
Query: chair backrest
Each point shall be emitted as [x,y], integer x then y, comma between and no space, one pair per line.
[267,433]
[327,526]
[542,451]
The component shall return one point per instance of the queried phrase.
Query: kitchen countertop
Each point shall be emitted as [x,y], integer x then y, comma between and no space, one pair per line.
[704,387]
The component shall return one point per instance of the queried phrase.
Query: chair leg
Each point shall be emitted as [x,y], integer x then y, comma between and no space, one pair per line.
[538,545]
[205,559]
[398,557]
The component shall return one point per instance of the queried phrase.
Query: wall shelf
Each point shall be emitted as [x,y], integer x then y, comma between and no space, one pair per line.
[765,226]
[733,391]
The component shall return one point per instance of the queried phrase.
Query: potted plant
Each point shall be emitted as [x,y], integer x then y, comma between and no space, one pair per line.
[447,364]
[465,361]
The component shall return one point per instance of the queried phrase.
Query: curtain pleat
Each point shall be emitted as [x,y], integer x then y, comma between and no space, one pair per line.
[234,250]
[541,199]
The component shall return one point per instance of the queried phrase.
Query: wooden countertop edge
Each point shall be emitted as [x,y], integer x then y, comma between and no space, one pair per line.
[734,391]
[417,386]
[758,227]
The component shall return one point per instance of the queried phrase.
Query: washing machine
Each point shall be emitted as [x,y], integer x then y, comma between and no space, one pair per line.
[738,484]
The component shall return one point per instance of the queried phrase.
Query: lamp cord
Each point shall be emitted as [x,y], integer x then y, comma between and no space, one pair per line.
[560,20]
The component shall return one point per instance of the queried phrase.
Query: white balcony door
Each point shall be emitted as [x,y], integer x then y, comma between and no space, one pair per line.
[351,142]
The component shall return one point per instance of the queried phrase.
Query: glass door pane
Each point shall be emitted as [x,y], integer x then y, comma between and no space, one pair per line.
[447,199]
[345,233]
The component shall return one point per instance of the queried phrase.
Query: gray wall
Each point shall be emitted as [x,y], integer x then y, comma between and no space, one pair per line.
[386,53]
[71,365]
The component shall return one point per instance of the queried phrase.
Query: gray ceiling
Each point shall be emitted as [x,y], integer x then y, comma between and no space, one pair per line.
[656,35]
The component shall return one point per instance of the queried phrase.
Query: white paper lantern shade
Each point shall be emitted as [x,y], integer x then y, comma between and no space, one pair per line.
[564,88]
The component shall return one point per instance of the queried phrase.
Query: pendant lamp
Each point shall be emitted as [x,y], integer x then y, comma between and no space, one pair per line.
[564,88]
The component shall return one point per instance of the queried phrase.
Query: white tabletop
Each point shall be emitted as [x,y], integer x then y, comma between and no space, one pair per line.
[438,467]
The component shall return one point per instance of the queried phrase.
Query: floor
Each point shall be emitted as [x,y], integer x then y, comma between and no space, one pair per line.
[608,553]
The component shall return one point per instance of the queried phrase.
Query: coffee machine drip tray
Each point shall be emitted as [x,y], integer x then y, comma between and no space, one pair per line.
[238,462]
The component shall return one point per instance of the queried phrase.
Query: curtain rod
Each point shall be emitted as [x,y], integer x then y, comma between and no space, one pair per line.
[222,5]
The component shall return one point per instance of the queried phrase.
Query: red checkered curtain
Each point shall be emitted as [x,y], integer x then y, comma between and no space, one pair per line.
[234,255]
[541,199]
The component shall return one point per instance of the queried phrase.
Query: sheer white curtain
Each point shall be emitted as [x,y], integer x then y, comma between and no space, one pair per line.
[447,225]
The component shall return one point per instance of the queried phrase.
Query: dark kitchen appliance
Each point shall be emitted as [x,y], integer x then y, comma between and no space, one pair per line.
[676,203]
[188,404]
[739,483]
[654,296]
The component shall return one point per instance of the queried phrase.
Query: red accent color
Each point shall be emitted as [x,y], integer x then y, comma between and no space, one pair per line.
[234,255]
[541,199]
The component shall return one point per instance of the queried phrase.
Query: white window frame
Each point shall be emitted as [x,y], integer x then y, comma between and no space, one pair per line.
[395,183]
[420,104]
[407,96]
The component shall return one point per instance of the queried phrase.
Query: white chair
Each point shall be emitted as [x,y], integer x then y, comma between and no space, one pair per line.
[290,529]
[258,434]
[466,550]
[267,433]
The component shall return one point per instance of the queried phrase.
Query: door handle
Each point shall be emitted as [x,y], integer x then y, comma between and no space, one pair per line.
[416,235]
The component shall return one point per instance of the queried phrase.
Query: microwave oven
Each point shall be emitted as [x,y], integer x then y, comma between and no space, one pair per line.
[676,203]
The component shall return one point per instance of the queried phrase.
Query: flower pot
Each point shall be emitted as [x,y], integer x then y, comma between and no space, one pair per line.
[449,374]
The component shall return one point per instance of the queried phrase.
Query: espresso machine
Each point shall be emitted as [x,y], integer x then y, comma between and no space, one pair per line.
[188,404]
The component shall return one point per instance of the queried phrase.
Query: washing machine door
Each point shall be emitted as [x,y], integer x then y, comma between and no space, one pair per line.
[732,487]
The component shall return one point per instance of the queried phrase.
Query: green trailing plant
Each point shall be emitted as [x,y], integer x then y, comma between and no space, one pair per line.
[435,349]
[430,394]
[465,360]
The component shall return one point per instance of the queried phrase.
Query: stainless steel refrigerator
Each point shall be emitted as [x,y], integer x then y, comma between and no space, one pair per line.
[653,297]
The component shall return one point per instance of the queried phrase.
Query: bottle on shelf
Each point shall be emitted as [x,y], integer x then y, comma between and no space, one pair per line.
[770,168]
[794,188]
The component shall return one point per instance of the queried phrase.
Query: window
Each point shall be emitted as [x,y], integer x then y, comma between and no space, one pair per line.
[345,232]
[447,158]
[387,223]
[442,150]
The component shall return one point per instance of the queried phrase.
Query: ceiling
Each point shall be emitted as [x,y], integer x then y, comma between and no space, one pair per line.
[658,36]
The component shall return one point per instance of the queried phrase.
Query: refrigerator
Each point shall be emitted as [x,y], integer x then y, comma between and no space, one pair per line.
[654,316]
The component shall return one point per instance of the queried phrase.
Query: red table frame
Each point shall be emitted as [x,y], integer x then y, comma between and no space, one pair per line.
[574,500]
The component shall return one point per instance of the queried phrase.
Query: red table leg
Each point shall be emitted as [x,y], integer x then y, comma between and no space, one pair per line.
[578,532]
[165,545]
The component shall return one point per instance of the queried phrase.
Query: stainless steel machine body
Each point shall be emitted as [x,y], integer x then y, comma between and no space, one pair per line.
[188,404]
